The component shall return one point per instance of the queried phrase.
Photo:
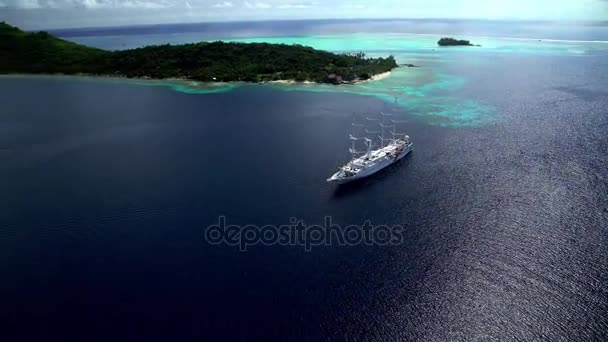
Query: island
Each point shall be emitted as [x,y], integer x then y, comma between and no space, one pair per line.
[453,42]
[42,53]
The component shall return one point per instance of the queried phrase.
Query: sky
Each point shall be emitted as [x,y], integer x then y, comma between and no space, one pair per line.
[51,14]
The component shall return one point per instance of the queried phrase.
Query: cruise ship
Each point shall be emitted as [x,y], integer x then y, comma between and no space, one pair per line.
[391,150]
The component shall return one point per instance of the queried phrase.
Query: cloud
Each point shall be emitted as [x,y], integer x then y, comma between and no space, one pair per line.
[89,4]
[47,14]
[152,4]
[262,5]
[295,5]
[225,4]
[25,4]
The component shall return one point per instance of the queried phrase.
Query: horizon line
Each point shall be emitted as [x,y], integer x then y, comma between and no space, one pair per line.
[536,21]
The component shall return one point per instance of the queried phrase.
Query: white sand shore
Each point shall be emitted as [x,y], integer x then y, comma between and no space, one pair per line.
[377,77]
[371,79]
[289,82]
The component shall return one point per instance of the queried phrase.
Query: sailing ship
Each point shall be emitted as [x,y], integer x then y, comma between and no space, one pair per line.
[393,147]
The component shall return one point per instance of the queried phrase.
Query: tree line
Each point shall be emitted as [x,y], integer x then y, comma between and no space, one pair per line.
[23,52]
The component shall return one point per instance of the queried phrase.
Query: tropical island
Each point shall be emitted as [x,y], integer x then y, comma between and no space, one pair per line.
[453,42]
[43,53]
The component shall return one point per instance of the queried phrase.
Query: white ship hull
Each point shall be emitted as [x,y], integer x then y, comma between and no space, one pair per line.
[367,166]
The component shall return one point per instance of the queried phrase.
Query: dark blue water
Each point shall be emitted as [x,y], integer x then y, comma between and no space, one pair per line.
[106,190]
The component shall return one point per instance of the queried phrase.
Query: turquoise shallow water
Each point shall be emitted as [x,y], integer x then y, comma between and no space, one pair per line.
[427,91]
[436,92]
[399,42]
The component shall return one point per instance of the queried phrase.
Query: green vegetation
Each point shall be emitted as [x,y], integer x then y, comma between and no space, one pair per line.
[453,42]
[42,53]
[22,52]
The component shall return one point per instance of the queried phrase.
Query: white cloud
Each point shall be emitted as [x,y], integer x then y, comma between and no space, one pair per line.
[225,4]
[262,5]
[145,4]
[294,6]
[46,14]
[26,4]
[90,4]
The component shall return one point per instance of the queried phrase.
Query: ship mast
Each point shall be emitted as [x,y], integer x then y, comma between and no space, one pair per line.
[392,127]
[353,150]
[384,127]
[371,134]
[397,135]
[368,142]
[354,153]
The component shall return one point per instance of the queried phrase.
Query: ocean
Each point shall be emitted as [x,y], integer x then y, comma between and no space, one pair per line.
[109,187]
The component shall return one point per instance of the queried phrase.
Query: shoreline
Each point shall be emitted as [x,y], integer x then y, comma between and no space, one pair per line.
[377,77]
[192,82]
[287,82]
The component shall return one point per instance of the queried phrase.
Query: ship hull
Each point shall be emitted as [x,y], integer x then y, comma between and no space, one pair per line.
[376,168]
